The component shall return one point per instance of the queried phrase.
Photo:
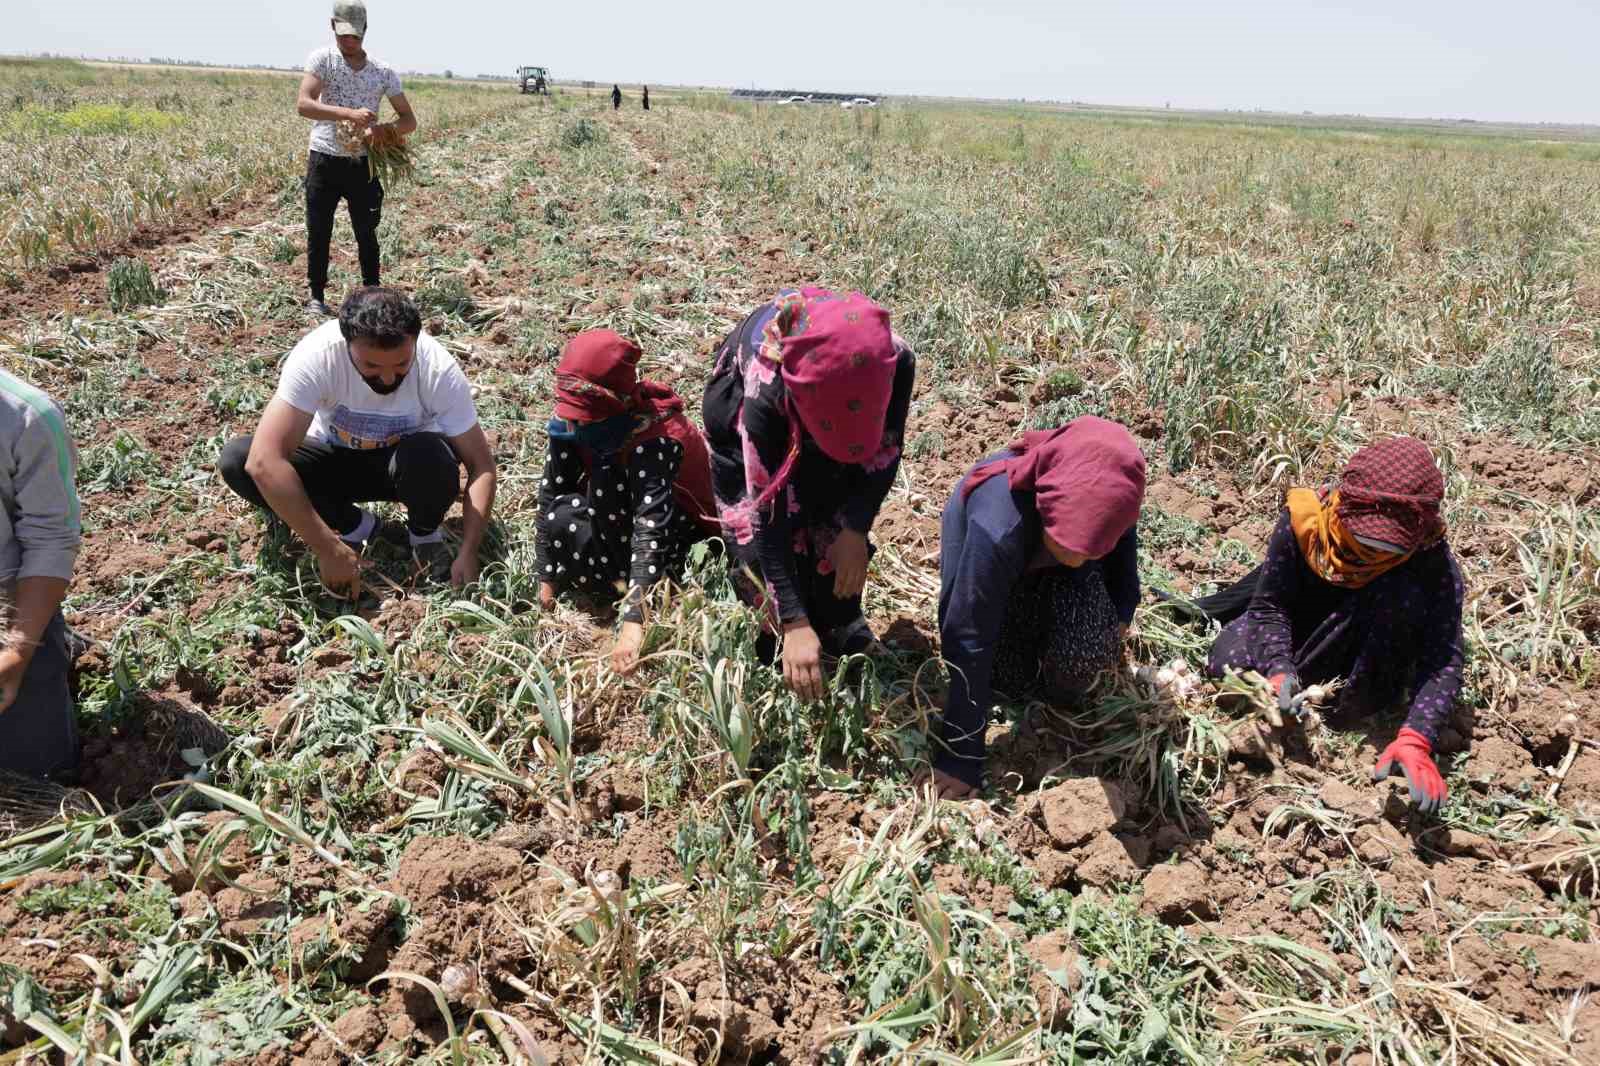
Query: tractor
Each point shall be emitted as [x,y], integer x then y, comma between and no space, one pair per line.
[534,80]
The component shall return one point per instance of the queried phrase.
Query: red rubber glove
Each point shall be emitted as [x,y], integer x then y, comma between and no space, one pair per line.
[1285,686]
[1415,756]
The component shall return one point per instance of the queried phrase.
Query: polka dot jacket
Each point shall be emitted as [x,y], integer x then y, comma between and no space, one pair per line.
[614,527]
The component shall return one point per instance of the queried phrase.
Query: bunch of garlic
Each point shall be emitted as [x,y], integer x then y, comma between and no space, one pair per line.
[1177,679]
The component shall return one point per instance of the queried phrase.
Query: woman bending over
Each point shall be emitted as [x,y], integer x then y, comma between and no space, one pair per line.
[805,415]
[626,488]
[1039,578]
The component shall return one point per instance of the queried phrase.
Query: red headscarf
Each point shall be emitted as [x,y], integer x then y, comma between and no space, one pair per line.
[1087,479]
[838,361]
[598,378]
[1391,491]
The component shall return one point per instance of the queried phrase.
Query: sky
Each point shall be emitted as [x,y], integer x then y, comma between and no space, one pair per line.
[1526,62]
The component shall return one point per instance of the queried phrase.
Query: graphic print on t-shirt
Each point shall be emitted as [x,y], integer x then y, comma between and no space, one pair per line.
[368,430]
[344,87]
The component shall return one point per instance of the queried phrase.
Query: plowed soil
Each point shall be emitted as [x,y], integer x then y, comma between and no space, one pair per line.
[466,900]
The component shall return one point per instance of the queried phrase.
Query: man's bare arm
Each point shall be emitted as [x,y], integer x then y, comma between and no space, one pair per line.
[405,119]
[280,432]
[310,105]
[473,448]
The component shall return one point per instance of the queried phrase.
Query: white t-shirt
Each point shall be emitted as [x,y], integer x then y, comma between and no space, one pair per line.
[343,87]
[320,380]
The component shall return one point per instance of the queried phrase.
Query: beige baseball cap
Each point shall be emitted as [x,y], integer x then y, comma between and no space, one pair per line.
[350,18]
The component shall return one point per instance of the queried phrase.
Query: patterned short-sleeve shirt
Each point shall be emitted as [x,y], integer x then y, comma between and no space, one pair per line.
[344,87]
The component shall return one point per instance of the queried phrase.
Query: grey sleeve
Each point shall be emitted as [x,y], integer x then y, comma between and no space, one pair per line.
[45,516]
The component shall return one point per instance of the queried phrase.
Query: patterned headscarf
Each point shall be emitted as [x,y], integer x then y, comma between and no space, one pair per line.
[1391,491]
[1087,479]
[838,360]
[1390,494]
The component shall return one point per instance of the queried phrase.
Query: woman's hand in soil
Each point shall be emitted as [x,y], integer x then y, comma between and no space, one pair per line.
[547,596]
[802,660]
[1285,687]
[625,652]
[945,786]
[1415,756]
[849,558]
[340,569]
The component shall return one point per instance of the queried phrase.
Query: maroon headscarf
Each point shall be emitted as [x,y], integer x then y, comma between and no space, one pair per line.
[1087,479]
[598,378]
[1391,491]
[838,361]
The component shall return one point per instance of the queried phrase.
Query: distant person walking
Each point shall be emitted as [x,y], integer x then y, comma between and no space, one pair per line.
[344,84]
[647,97]
[616,98]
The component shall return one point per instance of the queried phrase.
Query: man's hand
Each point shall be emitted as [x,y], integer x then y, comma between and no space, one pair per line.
[464,571]
[849,558]
[340,568]
[547,596]
[362,116]
[802,660]
[13,665]
[625,652]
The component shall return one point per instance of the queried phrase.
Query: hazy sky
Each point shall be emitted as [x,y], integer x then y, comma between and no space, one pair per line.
[1531,61]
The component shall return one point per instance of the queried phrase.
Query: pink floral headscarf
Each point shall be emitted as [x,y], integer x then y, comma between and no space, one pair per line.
[837,357]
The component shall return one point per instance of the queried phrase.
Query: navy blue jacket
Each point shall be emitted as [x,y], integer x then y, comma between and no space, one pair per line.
[987,541]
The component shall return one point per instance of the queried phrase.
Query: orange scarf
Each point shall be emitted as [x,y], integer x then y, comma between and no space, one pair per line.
[1331,551]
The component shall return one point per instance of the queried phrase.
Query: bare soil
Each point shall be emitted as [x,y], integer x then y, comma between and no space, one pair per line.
[466,898]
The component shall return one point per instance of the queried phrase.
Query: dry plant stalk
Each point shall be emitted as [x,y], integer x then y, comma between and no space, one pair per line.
[388,155]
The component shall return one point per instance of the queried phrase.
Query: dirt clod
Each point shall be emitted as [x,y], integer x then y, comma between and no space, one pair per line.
[1179,894]
[1076,810]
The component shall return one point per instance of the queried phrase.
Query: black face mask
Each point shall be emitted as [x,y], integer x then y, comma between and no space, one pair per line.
[380,388]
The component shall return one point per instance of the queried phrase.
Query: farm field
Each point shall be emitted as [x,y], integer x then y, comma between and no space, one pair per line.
[434,827]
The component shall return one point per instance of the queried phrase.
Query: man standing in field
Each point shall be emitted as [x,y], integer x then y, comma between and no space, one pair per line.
[369,408]
[616,98]
[343,84]
[39,535]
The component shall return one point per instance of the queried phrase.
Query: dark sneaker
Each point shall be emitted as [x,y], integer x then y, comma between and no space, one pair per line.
[434,560]
[852,638]
[318,307]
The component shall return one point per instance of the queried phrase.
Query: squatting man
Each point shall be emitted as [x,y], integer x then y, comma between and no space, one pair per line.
[369,407]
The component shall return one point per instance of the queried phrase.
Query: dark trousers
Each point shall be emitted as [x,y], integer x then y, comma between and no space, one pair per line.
[329,179]
[422,472]
[39,733]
